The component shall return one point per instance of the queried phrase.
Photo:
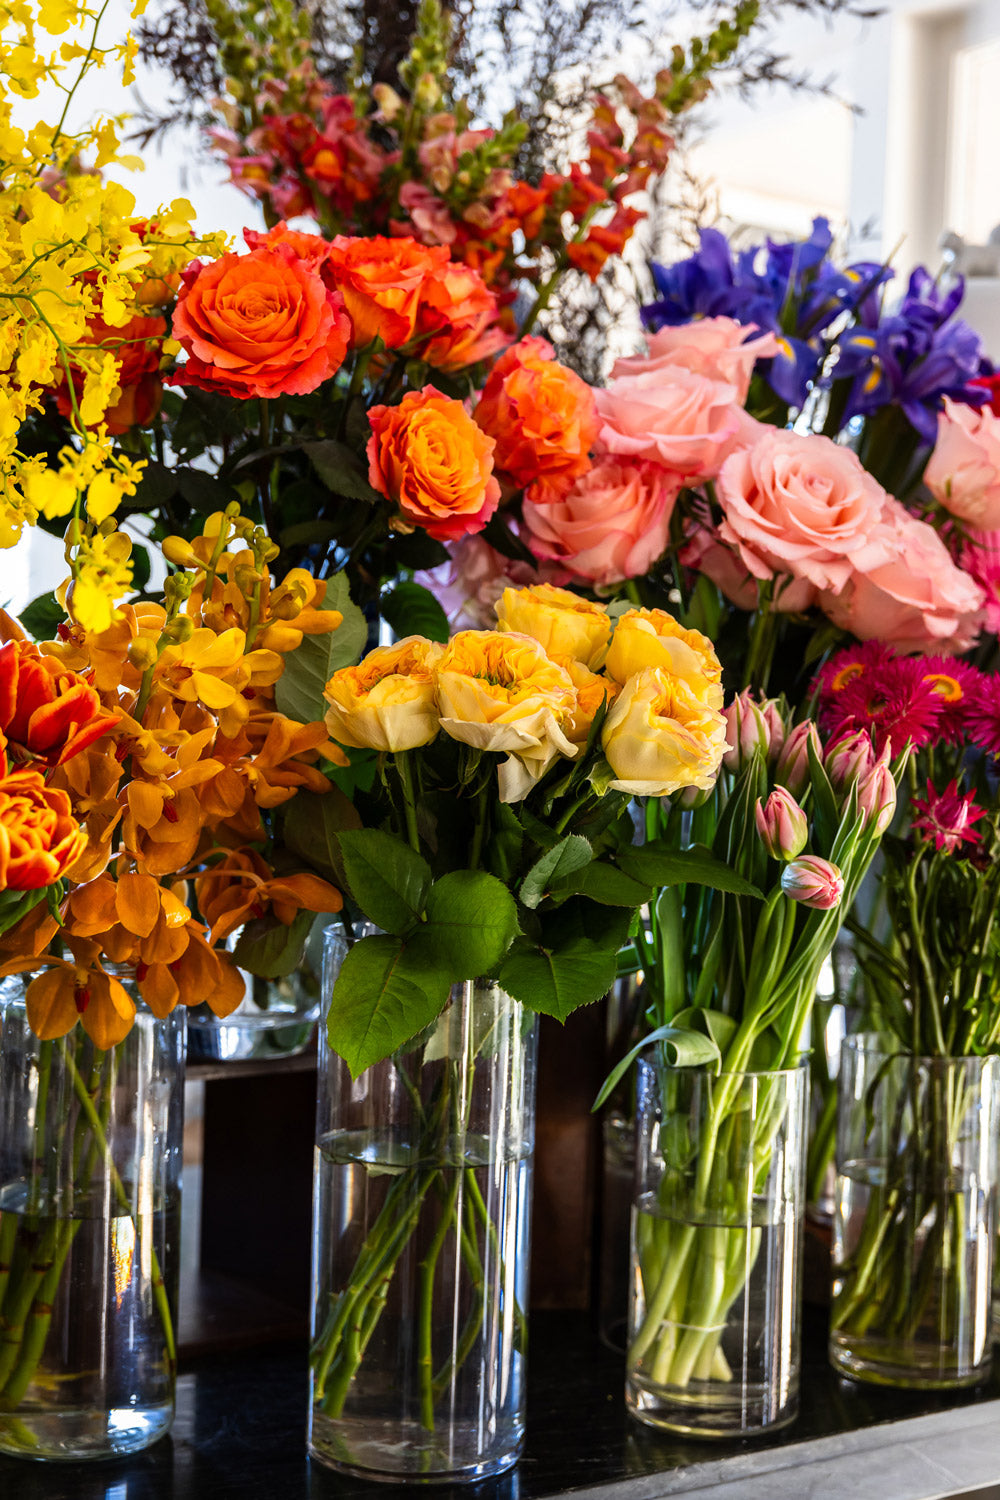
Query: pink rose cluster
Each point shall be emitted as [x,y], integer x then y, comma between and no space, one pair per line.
[801,514]
[667,418]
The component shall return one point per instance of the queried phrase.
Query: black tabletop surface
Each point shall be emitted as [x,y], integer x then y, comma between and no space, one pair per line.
[239,1430]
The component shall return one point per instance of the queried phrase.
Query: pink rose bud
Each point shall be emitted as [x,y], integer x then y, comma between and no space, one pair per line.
[792,770]
[813,881]
[877,797]
[746,730]
[775,728]
[782,825]
[849,760]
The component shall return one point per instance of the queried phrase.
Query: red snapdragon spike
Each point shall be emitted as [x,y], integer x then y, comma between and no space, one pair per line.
[81,997]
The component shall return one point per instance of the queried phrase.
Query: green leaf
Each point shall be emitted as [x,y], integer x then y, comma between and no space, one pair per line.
[557,981]
[504,845]
[826,813]
[682,1049]
[716,1025]
[570,854]
[342,470]
[42,617]
[503,540]
[388,879]
[606,884]
[471,923]
[413,610]
[203,492]
[384,994]
[660,865]
[270,949]
[311,827]
[298,693]
[16,904]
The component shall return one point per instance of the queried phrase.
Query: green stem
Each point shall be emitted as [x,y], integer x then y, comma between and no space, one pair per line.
[428,1266]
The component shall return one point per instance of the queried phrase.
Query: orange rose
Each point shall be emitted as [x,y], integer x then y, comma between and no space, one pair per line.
[542,416]
[137,347]
[39,837]
[380,281]
[45,711]
[458,318]
[263,324]
[428,455]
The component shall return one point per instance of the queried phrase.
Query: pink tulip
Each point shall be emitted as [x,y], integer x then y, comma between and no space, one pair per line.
[746,731]
[792,770]
[877,797]
[849,760]
[813,881]
[782,825]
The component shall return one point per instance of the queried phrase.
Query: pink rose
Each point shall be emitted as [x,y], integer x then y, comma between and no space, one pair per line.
[720,348]
[799,504]
[724,566]
[687,422]
[471,583]
[963,472]
[907,591]
[612,523]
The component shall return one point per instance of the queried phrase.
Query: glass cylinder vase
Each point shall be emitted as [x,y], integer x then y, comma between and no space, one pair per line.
[421,1226]
[915,1222]
[90,1171]
[714,1325]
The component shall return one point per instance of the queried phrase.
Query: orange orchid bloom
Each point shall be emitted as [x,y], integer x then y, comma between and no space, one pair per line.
[244,889]
[198,974]
[78,989]
[217,671]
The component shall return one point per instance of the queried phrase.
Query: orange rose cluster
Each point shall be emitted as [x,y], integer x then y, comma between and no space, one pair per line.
[141,767]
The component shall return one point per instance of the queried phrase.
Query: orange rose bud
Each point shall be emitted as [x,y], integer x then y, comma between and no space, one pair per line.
[46,711]
[542,416]
[428,455]
[380,281]
[263,324]
[39,837]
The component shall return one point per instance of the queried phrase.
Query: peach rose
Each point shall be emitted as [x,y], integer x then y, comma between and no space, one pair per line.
[720,348]
[562,623]
[800,504]
[262,324]
[457,320]
[704,553]
[906,591]
[659,738]
[963,472]
[689,423]
[311,249]
[647,638]
[381,281]
[389,700]
[428,455]
[612,523]
[541,415]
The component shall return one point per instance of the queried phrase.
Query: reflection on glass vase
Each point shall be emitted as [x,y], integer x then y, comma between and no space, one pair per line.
[90,1164]
[275,1018]
[421,1224]
[714,1328]
[916,1216]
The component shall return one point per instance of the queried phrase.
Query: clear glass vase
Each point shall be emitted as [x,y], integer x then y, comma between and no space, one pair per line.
[915,1223]
[275,1018]
[714,1326]
[421,1225]
[90,1172]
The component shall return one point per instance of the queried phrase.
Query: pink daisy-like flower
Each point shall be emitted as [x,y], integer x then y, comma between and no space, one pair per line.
[983,719]
[866,660]
[946,817]
[886,696]
[980,557]
[959,687]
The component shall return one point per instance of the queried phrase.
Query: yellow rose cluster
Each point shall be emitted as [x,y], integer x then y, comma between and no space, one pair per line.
[532,688]
[80,276]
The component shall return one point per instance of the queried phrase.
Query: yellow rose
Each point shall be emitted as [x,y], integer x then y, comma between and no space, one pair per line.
[388,701]
[562,623]
[659,737]
[499,691]
[591,691]
[651,638]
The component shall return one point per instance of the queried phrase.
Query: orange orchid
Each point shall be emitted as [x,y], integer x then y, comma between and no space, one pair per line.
[78,989]
[217,671]
[244,889]
[198,974]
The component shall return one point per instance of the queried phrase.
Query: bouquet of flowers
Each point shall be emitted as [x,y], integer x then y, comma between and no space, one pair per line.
[492,847]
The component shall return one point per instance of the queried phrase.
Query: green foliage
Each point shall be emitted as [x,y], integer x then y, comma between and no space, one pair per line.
[271,950]
[299,690]
[42,617]
[410,609]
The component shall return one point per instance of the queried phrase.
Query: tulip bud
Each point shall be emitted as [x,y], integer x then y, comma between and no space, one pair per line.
[813,881]
[782,825]
[746,731]
[877,797]
[792,770]
[775,728]
[690,797]
[849,760]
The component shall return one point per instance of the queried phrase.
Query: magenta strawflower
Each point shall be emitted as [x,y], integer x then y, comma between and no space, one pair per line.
[959,687]
[946,817]
[983,718]
[890,698]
